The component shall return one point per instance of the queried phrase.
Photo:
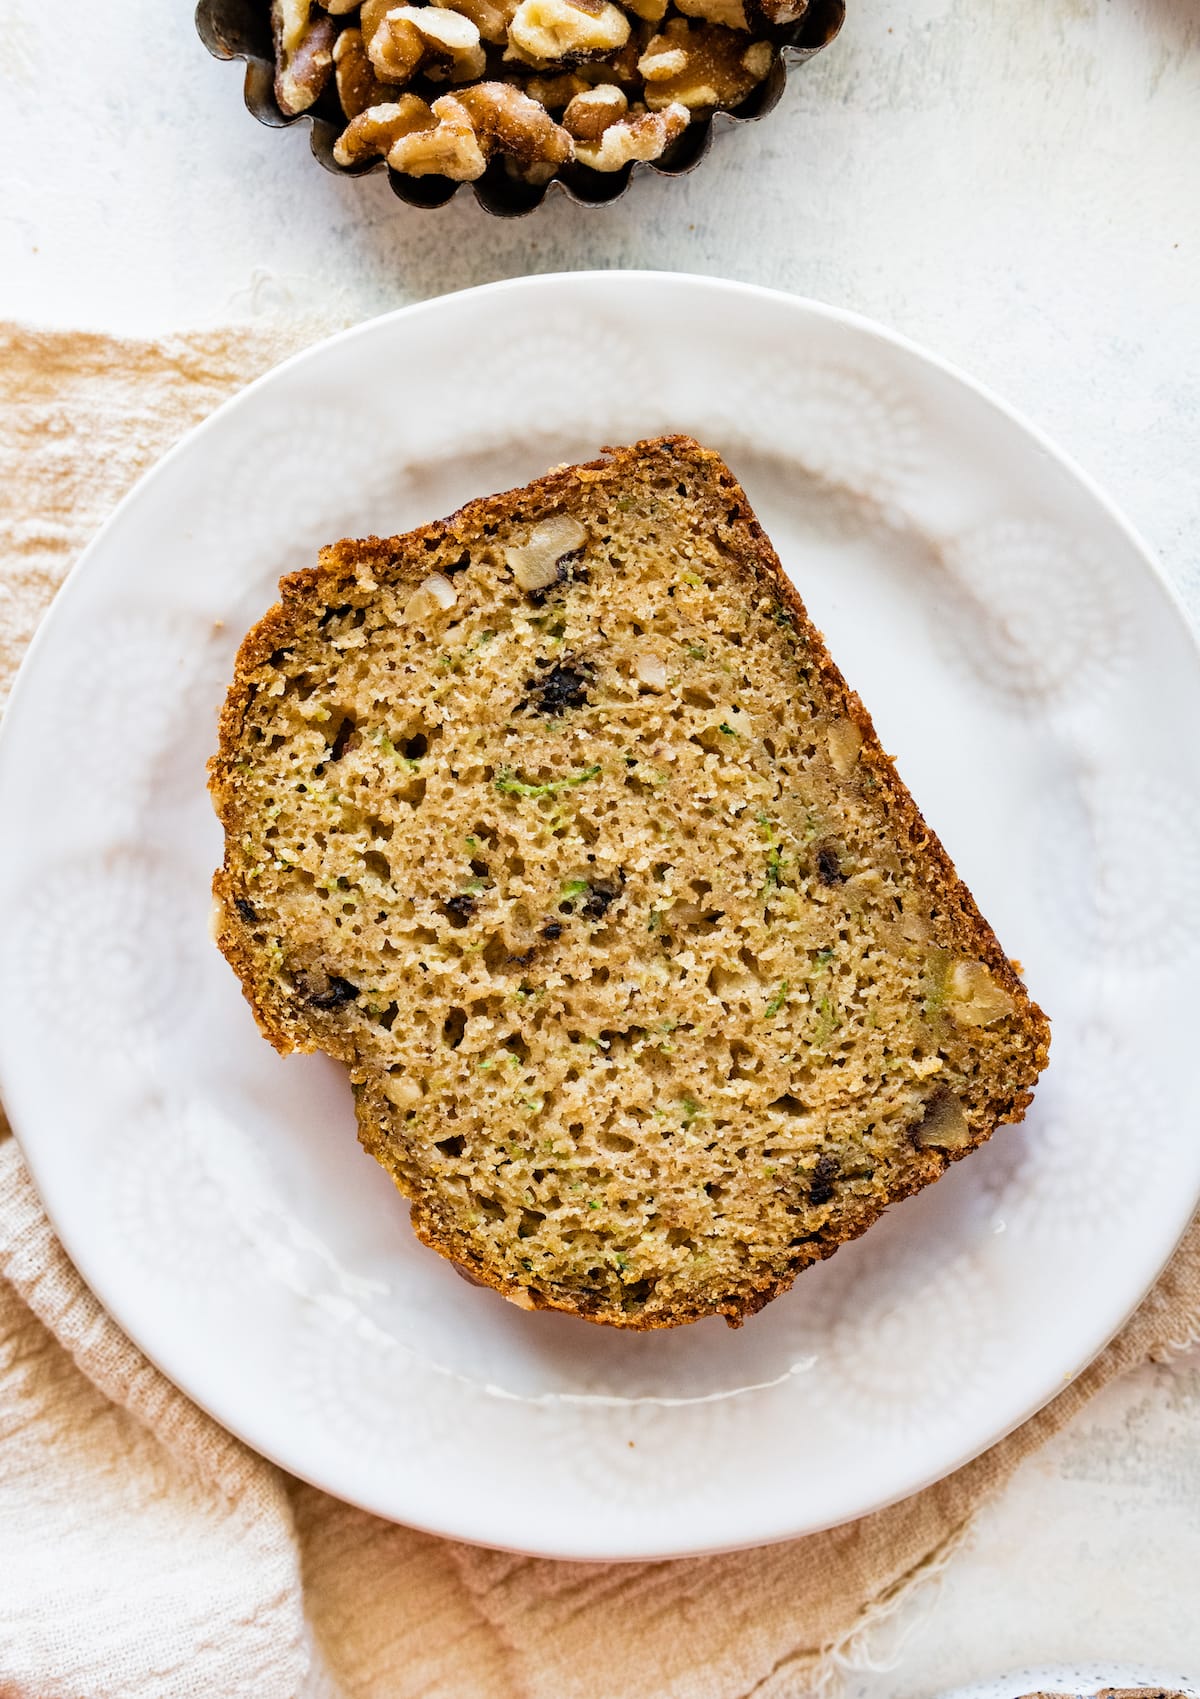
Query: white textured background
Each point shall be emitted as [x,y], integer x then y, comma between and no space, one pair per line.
[1015,183]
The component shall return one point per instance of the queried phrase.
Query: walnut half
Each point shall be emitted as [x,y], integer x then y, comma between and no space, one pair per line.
[372,134]
[447,147]
[590,112]
[731,13]
[358,86]
[490,17]
[303,53]
[611,145]
[402,40]
[547,32]
[509,122]
[702,65]
[744,14]
[393,46]
[458,134]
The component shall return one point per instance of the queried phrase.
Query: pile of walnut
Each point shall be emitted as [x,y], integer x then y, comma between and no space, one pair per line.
[537,83]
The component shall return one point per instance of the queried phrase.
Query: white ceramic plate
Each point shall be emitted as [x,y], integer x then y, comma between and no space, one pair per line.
[1077,1681]
[1022,659]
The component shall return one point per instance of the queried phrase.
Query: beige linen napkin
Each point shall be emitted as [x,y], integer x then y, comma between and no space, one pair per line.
[145,1552]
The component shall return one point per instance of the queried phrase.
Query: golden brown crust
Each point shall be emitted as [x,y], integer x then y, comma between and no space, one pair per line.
[357,562]
[748,1300]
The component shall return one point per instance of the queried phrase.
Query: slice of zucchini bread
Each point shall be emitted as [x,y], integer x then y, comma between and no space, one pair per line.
[556,823]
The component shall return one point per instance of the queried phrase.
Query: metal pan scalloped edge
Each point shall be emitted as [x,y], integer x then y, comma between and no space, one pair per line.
[240,29]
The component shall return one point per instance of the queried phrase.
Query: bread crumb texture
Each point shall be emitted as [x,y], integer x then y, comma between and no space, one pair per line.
[557,825]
